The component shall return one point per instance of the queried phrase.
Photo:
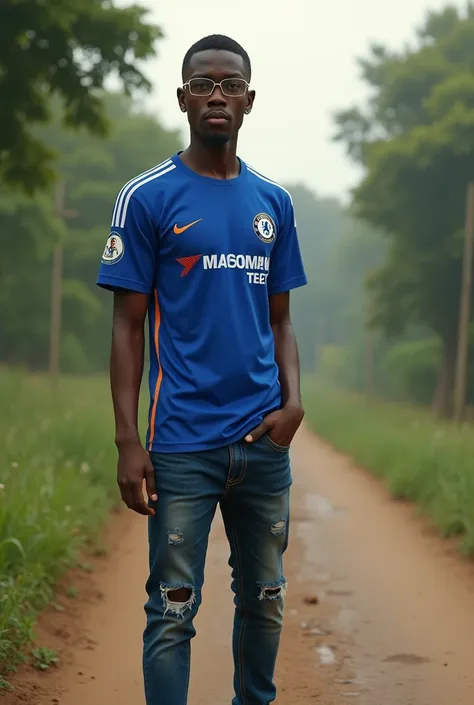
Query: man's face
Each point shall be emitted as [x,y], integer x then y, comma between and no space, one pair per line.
[216,118]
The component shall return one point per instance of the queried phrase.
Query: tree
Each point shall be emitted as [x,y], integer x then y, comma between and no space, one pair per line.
[65,49]
[94,170]
[28,228]
[416,141]
[320,224]
[338,253]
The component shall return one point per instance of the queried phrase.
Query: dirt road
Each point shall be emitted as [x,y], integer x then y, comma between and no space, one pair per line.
[379,610]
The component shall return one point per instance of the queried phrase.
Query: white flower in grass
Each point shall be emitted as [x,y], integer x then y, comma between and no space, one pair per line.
[67,508]
[2,486]
[15,466]
[85,468]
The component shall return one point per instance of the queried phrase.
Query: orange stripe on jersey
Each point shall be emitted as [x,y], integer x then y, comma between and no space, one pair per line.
[160,371]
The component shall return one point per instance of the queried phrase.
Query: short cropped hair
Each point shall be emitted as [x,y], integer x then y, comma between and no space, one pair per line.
[222,43]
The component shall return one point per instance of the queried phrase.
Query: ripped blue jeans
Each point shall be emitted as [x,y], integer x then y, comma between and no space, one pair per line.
[251,484]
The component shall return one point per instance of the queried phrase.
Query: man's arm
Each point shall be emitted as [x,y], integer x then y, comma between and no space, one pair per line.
[282,425]
[286,351]
[126,370]
[130,273]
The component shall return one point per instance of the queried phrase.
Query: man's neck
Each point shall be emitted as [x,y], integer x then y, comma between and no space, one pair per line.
[219,162]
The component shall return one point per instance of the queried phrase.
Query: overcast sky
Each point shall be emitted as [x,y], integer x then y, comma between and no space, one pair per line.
[304,70]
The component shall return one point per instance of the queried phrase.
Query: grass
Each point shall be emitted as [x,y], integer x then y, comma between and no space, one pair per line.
[57,481]
[57,485]
[44,658]
[419,459]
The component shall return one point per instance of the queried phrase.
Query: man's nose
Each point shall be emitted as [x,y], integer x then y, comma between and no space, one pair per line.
[217,97]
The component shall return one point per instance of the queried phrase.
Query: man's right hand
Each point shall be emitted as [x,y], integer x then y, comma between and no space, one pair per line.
[134,467]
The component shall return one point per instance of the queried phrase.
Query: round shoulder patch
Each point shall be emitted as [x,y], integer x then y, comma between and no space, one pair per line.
[114,249]
[264,227]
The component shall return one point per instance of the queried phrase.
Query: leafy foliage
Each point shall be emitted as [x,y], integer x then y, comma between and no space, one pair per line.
[65,49]
[44,658]
[416,140]
[94,169]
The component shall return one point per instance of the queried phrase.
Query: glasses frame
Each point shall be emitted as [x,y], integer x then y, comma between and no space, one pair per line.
[200,78]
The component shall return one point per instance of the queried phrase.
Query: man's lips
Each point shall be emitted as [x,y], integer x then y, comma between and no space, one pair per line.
[217,117]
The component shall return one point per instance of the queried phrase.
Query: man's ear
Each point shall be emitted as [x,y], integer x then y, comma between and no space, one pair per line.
[181,99]
[250,102]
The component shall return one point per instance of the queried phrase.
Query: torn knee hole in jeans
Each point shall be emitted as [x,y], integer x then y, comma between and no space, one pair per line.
[175,537]
[177,599]
[278,527]
[277,591]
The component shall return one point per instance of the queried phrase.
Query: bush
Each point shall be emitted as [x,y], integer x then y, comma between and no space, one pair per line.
[410,370]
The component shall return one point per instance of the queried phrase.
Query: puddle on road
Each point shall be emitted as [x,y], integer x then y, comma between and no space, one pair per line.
[309,630]
[322,507]
[332,611]
[346,620]
[326,655]
[340,593]
[407,659]
[351,695]
[322,577]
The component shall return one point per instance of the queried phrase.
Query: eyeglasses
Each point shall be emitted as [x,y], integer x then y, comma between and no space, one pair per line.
[230,87]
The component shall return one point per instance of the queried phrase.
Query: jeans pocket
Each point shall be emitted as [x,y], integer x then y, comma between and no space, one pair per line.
[275,446]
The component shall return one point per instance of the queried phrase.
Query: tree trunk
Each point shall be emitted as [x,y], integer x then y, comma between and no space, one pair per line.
[443,399]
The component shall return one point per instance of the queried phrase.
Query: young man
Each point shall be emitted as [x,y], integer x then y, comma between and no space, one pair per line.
[208,248]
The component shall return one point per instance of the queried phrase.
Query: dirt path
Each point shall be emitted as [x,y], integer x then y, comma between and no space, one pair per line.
[379,611]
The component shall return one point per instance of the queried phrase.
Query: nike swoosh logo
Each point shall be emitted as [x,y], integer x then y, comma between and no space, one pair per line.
[178,231]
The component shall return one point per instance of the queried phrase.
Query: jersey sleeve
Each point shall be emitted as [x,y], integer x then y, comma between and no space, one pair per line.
[129,257]
[286,265]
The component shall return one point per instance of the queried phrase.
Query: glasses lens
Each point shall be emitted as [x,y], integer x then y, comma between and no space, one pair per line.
[201,86]
[234,87]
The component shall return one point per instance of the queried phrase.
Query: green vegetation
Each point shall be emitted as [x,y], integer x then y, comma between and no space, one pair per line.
[402,235]
[57,485]
[419,459]
[44,658]
[66,50]
[381,304]
[415,140]
[94,170]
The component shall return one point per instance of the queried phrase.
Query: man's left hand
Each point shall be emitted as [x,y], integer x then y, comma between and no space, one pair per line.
[280,426]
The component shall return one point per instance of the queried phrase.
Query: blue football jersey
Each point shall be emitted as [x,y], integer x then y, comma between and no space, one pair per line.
[208,253]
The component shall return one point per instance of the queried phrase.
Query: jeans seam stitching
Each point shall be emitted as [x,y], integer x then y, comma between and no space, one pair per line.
[188,672]
[275,446]
[145,673]
[244,619]
[239,479]
[228,483]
